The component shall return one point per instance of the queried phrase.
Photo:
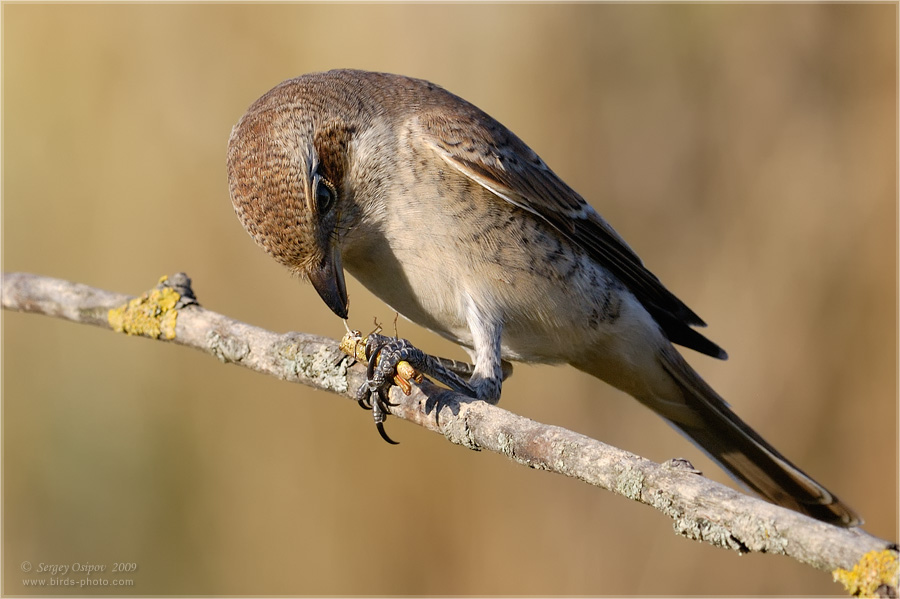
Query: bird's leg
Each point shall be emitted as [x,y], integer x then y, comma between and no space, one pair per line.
[467,369]
[487,379]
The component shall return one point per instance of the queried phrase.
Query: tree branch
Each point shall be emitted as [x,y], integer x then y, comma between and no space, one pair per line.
[700,508]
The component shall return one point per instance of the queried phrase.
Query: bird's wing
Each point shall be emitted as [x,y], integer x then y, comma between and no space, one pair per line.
[488,153]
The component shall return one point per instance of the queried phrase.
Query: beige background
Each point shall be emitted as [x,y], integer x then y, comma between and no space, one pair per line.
[747,152]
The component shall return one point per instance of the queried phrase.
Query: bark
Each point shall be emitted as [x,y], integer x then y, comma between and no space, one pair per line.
[700,508]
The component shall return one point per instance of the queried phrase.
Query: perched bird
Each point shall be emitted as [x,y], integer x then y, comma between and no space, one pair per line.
[453,221]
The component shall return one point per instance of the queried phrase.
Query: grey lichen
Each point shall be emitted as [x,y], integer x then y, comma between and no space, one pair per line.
[326,366]
[630,483]
[227,348]
[331,370]
[700,529]
[505,444]
[462,431]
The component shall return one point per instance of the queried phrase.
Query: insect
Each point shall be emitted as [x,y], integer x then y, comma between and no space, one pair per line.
[391,360]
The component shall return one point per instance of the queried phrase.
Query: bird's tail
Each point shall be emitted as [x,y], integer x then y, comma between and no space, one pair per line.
[712,426]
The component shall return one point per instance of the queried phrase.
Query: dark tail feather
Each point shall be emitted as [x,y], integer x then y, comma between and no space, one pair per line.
[744,454]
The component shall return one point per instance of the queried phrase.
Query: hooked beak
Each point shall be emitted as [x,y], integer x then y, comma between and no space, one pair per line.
[328,279]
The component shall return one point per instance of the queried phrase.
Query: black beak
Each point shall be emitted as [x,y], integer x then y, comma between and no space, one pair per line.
[328,279]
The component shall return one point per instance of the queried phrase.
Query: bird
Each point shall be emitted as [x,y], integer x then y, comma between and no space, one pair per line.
[458,225]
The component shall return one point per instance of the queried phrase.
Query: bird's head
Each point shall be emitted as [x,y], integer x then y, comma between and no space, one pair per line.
[287,164]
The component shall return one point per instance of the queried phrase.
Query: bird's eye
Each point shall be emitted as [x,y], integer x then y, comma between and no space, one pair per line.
[325,195]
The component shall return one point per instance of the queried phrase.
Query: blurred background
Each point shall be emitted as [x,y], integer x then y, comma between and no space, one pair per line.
[747,152]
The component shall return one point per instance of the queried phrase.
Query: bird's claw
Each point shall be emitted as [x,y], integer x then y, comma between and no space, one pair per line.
[380,407]
[394,361]
[390,361]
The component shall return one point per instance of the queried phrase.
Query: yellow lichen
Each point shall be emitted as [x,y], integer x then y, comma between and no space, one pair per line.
[874,569]
[153,314]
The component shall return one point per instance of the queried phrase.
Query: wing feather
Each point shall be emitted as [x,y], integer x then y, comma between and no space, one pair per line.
[488,153]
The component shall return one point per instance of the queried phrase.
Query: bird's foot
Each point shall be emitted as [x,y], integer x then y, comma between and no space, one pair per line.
[392,361]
